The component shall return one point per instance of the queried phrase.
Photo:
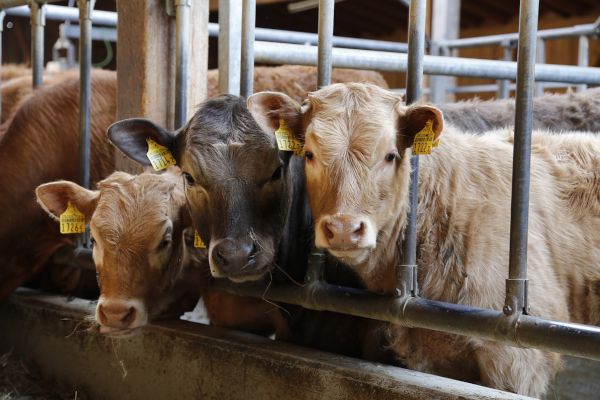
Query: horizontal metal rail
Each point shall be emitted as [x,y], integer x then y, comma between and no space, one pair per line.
[282,53]
[98,33]
[592,29]
[63,13]
[521,331]
[15,3]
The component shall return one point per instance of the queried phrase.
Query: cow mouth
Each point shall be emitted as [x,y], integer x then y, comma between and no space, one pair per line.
[253,274]
[119,332]
[350,255]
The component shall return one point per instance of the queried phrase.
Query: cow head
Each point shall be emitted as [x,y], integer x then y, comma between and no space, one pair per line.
[136,228]
[236,182]
[357,140]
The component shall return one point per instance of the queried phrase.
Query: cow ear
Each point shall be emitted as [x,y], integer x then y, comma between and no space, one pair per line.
[412,119]
[55,196]
[131,135]
[268,108]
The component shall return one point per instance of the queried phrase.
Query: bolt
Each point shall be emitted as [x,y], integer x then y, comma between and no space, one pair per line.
[507,310]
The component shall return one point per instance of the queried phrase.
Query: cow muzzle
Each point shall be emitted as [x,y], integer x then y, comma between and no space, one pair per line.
[236,259]
[119,315]
[345,233]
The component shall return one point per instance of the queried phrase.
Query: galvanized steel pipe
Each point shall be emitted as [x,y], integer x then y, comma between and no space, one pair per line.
[248,23]
[282,53]
[407,273]
[324,65]
[63,13]
[583,56]
[182,48]
[518,330]
[516,284]
[230,38]
[38,21]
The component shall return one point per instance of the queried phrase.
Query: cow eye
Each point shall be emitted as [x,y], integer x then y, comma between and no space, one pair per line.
[309,155]
[390,157]
[189,179]
[165,242]
[277,174]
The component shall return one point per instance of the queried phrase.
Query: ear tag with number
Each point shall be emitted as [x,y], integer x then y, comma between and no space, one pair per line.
[160,157]
[198,242]
[424,140]
[286,140]
[72,220]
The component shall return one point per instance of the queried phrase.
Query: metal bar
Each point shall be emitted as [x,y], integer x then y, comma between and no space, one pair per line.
[248,23]
[504,84]
[281,53]
[583,56]
[540,58]
[5,4]
[326,9]
[101,34]
[230,38]
[182,48]
[2,15]
[492,87]
[63,13]
[516,284]
[38,21]
[519,330]
[407,270]
[592,29]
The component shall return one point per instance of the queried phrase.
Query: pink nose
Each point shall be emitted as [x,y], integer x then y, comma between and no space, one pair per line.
[116,314]
[343,232]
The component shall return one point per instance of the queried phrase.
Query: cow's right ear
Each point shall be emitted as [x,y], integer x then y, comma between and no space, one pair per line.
[131,135]
[268,108]
[55,196]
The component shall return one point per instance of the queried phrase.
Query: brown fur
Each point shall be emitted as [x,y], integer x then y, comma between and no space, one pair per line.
[39,145]
[463,222]
[556,112]
[11,71]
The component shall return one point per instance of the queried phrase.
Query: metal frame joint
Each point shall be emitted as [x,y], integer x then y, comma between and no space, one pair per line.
[516,297]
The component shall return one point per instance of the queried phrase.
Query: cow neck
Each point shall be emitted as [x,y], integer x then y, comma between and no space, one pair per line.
[294,246]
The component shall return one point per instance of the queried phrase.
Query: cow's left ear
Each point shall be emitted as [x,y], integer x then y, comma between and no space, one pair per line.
[413,119]
[131,137]
[268,108]
[54,198]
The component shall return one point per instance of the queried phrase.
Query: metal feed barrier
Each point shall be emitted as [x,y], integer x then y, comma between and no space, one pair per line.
[512,325]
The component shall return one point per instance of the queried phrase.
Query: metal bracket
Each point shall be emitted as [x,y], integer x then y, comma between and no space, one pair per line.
[407,281]
[516,297]
[316,266]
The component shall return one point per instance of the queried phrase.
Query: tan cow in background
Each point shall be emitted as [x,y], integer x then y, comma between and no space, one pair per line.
[357,141]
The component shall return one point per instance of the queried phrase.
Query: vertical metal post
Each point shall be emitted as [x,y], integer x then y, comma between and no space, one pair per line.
[583,57]
[504,84]
[326,9]
[38,21]
[248,23]
[182,48]
[516,284]
[407,275]
[2,15]
[230,37]
[85,89]
[445,25]
[540,58]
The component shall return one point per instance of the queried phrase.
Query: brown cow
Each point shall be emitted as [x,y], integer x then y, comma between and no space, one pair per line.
[357,141]
[145,260]
[40,144]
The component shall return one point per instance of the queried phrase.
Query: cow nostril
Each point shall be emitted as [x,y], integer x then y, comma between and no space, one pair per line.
[360,230]
[128,318]
[101,314]
[218,257]
[328,232]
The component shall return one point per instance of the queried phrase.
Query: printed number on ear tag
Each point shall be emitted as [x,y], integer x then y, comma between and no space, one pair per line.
[424,140]
[160,157]
[285,139]
[72,220]
[198,242]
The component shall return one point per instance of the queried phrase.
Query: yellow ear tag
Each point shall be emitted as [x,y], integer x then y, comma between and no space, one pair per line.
[436,142]
[160,157]
[198,242]
[424,140]
[285,138]
[72,220]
